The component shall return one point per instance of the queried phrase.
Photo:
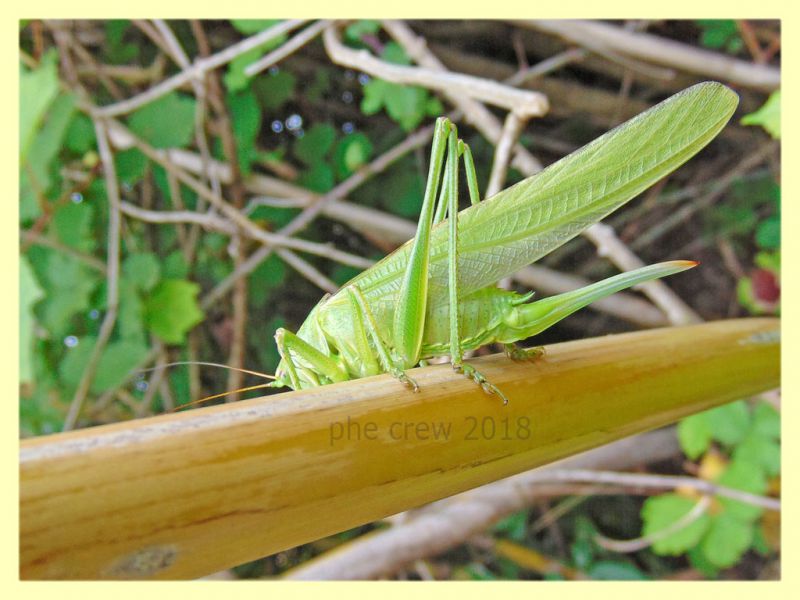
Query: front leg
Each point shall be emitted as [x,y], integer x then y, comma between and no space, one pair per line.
[289,346]
[365,321]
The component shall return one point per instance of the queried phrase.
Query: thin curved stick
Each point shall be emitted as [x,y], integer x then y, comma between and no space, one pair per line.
[197,69]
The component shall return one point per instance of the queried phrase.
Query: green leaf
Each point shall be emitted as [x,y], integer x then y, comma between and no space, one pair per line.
[662,512]
[167,122]
[69,285]
[718,33]
[235,79]
[699,561]
[143,269]
[583,549]
[771,261]
[767,421]
[37,89]
[275,216]
[130,317]
[165,186]
[130,165]
[246,125]
[479,572]
[612,570]
[175,266]
[434,107]
[352,152]
[374,93]
[729,423]
[29,207]
[508,569]
[355,31]
[727,540]
[406,105]
[760,450]
[80,136]
[251,26]
[694,435]
[215,242]
[318,178]
[49,140]
[119,52]
[768,116]
[315,144]
[38,415]
[582,553]
[743,474]
[760,544]
[73,225]
[172,309]
[179,382]
[266,277]
[768,233]
[274,89]
[514,527]
[394,53]
[115,30]
[29,294]
[117,361]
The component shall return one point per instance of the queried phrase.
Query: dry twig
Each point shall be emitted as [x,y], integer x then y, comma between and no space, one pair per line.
[272,239]
[646,541]
[511,130]
[661,51]
[112,261]
[292,45]
[527,104]
[198,69]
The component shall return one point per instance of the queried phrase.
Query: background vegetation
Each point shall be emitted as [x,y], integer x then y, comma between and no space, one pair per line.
[128,261]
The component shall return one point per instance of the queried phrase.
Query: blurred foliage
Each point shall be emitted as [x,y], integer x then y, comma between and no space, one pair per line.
[768,116]
[737,446]
[720,34]
[315,127]
[751,217]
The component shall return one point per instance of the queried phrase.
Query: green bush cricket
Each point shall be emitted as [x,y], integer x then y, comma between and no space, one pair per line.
[434,296]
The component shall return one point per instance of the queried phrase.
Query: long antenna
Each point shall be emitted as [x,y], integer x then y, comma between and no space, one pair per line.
[212,364]
[207,364]
[244,389]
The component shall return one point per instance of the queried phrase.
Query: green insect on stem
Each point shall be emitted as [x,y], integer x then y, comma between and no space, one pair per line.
[434,296]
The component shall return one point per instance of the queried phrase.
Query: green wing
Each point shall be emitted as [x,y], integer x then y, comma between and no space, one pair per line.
[526,221]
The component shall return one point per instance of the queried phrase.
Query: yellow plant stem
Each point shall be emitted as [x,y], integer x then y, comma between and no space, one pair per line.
[183,495]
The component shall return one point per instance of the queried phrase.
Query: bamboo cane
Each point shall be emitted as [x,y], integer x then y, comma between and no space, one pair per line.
[183,495]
